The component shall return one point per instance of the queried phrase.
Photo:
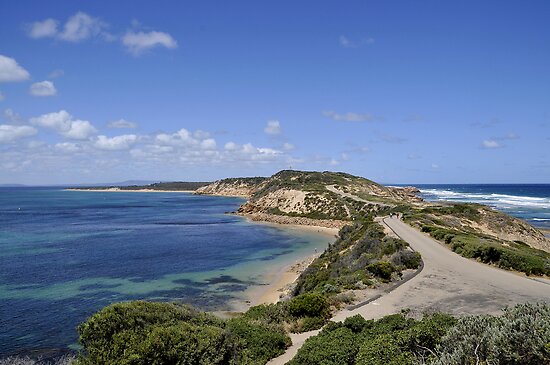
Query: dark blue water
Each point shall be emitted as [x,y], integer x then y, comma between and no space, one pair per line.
[530,202]
[66,254]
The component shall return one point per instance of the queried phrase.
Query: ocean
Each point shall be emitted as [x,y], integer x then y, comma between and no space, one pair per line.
[530,202]
[66,254]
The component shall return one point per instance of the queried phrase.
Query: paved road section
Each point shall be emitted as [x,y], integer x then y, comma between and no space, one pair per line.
[448,283]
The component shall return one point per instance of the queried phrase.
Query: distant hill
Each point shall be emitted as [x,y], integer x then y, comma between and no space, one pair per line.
[317,195]
[160,186]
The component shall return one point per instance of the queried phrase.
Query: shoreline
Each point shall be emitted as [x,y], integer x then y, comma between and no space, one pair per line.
[280,278]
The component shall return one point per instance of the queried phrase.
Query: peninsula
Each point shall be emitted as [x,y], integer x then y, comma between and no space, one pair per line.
[370,297]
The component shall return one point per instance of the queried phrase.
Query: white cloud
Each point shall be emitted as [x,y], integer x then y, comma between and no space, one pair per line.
[81,26]
[435,166]
[490,143]
[139,42]
[351,117]
[64,123]
[122,142]
[80,129]
[121,124]
[208,144]
[56,73]
[273,127]
[60,121]
[10,71]
[78,27]
[43,88]
[45,28]
[182,138]
[9,133]
[11,116]
[68,147]
[231,146]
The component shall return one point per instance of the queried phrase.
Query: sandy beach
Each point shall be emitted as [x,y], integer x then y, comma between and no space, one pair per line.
[280,278]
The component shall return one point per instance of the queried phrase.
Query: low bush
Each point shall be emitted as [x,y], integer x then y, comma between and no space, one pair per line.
[165,333]
[257,342]
[335,347]
[309,305]
[382,269]
[521,336]
[362,256]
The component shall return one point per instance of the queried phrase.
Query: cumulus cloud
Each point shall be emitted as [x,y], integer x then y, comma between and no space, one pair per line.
[273,127]
[231,146]
[490,143]
[121,124]
[68,147]
[81,26]
[10,71]
[64,123]
[117,143]
[181,138]
[139,42]
[10,133]
[78,27]
[43,88]
[208,144]
[351,117]
[42,29]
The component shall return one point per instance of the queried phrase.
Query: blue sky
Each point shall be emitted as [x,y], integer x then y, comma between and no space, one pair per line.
[399,92]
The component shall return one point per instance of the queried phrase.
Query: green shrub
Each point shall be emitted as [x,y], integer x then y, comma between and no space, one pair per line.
[257,342]
[142,333]
[309,305]
[307,324]
[383,350]
[520,337]
[335,347]
[356,323]
[382,269]
[276,313]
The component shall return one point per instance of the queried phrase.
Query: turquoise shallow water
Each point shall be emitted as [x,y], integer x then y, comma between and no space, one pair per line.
[66,254]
